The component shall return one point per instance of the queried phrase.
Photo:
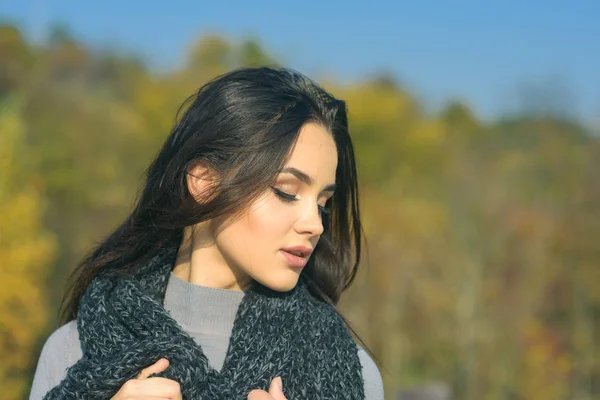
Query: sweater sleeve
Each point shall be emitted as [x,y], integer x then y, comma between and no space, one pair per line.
[60,351]
[371,376]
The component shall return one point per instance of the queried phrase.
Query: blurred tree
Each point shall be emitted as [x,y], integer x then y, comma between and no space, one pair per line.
[26,251]
[482,256]
[459,118]
[15,59]
[89,136]
[60,35]
[212,55]
[252,54]
[551,96]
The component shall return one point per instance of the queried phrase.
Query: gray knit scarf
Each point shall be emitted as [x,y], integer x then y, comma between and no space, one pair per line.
[123,328]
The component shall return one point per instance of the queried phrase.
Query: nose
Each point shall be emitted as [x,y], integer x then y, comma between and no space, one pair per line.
[310,221]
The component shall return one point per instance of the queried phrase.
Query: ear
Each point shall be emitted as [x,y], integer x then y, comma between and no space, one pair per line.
[200,179]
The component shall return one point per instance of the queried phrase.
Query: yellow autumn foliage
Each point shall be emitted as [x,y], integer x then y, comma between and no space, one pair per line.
[474,228]
[26,254]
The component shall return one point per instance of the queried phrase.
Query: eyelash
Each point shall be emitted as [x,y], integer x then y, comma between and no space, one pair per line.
[288,198]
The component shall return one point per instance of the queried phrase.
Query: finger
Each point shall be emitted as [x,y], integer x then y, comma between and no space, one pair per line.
[257,394]
[153,388]
[157,367]
[276,389]
[179,396]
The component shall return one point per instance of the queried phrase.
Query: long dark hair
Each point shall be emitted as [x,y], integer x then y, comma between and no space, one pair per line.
[242,124]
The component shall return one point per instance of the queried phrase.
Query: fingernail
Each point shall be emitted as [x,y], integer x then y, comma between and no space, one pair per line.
[280,383]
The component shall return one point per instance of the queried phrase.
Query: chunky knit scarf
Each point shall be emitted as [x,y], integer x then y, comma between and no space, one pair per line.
[124,328]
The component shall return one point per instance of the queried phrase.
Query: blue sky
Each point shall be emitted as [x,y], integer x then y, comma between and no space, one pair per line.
[479,51]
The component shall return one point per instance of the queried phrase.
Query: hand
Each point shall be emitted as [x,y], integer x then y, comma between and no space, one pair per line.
[275,392]
[143,387]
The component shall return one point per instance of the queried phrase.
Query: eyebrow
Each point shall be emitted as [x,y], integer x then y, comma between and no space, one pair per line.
[305,178]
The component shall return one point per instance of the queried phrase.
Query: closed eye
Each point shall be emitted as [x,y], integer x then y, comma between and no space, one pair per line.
[288,198]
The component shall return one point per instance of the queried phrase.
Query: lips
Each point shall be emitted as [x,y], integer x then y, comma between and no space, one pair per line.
[299,251]
[294,260]
[297,256]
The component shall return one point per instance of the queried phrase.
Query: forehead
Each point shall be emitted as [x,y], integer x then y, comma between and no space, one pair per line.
[315,153]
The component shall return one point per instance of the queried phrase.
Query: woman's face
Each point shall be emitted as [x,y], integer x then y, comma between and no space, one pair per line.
[251,245]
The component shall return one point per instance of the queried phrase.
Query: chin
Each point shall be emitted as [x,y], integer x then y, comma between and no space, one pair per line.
[283,284]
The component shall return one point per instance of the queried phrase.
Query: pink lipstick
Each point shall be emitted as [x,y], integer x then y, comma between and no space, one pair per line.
[294,260]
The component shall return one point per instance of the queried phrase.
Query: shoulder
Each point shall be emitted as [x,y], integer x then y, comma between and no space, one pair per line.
[371,376]
[62,346]
[61,350]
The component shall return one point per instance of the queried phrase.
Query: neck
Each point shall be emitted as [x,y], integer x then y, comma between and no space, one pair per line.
[200,262]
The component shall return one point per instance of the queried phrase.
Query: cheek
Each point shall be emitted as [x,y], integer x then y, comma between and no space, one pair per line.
[252,244]
[270,220]
[254,239]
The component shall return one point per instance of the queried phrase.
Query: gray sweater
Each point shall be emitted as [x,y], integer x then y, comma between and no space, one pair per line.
[206,314]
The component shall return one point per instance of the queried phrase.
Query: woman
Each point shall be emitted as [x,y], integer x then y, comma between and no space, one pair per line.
[222,283]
